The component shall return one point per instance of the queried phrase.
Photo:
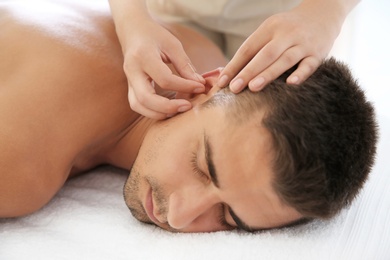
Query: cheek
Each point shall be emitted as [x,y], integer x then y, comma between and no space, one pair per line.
[167,156]
[171,164]
[166,152]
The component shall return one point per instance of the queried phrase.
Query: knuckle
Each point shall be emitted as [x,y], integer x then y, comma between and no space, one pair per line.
[127,65]
[164,82]
[135,106]
[306,68]
[142,99]
[134,57]
[269,54]
[246,49]
[310,67]
[291,58]
[273,21]
[177,45]
[131,96]
[134,103]
[131,57]
[137,51]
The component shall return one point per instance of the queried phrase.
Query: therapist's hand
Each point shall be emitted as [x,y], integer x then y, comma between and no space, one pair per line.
[148,50]
[303,35]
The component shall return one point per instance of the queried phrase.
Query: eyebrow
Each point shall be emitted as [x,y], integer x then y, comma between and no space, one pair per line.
[214,178]
[209,161]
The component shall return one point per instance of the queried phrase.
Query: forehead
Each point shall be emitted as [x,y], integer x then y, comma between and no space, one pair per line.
[246,140]
[247,144]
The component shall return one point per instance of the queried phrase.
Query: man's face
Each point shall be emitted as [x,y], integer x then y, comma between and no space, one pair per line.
[198,172]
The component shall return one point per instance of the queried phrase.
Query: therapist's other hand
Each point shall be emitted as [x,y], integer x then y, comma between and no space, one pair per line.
[304,35]
[148,50]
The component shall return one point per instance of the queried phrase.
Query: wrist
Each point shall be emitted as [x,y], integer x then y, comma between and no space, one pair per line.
[126,14]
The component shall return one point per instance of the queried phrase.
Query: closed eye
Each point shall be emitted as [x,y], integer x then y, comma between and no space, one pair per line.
[222,219]
[196,170]
[205,178]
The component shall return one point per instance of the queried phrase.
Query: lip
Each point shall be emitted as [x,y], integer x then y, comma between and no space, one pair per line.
[149,207]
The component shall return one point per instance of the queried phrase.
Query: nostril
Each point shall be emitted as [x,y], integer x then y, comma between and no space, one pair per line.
[160,216]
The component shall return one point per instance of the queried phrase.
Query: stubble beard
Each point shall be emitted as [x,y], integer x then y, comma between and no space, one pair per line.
[131,196]
[133,202]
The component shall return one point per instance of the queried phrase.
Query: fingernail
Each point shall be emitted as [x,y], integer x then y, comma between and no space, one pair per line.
[256,84]
[294,80]
[183,108]
[236,85]
[198,90]
[222,81]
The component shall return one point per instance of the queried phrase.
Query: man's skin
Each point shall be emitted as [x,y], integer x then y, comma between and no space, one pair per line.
[64,110]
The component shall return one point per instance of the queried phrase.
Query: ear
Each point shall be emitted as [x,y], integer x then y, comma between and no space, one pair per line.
[211,78]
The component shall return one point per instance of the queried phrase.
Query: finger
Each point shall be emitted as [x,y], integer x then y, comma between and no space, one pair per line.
[182,63]
[241,58]
[262,60]
[149,112]
[305,69]
[163,76]
[288,59]
[142,95]
[136,107]
[186,96]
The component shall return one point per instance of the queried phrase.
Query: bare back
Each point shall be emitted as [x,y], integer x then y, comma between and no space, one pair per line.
[63,94]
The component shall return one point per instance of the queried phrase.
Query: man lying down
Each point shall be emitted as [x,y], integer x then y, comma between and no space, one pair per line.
[250,161]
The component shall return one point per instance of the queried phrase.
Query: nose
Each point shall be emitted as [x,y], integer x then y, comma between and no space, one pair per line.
[190,206]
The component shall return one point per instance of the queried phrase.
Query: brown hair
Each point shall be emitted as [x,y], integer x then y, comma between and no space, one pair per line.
[324,137]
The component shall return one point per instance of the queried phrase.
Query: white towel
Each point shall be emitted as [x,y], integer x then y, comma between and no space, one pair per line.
[88,219]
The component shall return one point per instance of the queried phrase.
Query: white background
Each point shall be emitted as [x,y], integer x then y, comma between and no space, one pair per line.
[364,44]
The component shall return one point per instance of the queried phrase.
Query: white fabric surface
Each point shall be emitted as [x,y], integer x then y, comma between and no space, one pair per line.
[88,219]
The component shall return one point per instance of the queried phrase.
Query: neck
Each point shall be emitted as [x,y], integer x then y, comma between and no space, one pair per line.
[125,150]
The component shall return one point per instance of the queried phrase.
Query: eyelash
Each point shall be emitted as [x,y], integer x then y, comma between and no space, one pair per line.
[194,163]
[196,170]
[221,218]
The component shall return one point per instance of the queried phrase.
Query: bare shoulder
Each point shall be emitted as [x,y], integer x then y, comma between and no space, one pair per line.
[56,56]
[77,26]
